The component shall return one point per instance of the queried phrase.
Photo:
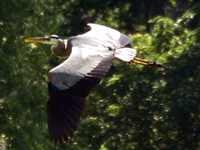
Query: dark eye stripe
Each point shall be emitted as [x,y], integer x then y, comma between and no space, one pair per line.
[54,36]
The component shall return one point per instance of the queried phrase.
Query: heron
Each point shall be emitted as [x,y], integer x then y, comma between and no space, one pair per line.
[88,58]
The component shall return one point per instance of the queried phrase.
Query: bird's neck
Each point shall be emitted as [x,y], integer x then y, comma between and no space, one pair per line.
[61,49]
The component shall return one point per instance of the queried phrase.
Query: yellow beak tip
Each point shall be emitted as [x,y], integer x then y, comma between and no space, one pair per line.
[26,40]
[33,40]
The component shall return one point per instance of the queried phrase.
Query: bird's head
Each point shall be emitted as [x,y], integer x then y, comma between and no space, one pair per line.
[51,40]
[59,46]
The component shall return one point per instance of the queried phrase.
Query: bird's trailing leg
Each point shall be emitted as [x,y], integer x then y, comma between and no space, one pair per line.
[146,63]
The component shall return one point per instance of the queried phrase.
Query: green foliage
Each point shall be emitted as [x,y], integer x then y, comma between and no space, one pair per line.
[134,107]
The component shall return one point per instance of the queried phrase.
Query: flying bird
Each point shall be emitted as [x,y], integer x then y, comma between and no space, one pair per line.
[88,58]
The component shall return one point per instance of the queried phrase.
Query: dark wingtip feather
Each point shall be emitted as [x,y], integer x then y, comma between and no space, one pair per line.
[64,111]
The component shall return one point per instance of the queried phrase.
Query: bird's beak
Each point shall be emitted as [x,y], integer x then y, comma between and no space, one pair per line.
[38,40]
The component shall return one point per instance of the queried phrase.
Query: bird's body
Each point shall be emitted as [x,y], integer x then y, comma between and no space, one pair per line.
[89,57]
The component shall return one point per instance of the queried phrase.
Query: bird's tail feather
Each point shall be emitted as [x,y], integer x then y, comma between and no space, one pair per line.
[125,54]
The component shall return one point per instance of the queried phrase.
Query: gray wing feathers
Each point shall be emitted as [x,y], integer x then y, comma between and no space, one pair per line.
[104,33]
[82,62]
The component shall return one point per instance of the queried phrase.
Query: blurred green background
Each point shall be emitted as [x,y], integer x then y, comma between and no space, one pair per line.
[134,107]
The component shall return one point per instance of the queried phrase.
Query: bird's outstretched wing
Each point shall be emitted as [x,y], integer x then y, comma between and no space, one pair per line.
[105,33]
[69,84]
